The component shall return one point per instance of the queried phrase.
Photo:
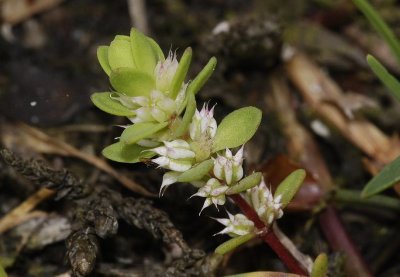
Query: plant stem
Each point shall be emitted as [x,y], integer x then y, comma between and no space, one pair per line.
[269,237]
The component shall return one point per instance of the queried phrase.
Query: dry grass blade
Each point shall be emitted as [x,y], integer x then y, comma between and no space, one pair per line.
[304,150]
[22,134]
[22,212]
[16,11]
[316,87]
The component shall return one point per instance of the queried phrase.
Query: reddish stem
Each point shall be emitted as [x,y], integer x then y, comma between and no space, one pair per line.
[269,237]
[338,239]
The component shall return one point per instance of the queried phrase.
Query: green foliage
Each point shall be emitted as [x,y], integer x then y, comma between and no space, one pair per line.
[123,153]
[187,117]
[102,56]
[386,78]
[2,272]
[203,76]
[143,54]
[320,267]
[389,176]
[380,26]
[104,102]
[237,128]
[131,82]
[289,187]
[197,172]
[140,131]
[233,243]
[120,54]
[181,72]
[245,184]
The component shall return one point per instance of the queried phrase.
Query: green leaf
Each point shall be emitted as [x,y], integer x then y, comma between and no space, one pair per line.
[388,177]
[143,53]
[2,272]
[289,187]
[140,131]
[233,243]
[237,128]
[320,266]
[120,54]
[202,77]
[187,117]
[104,102]
[197,172]
[181,72]
[120,152]
[132,82]
[380,26]
[102,56]
[245,184]
[156,49]
[386,78]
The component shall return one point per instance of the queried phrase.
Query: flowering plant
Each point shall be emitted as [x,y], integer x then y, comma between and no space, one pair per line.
[167,129]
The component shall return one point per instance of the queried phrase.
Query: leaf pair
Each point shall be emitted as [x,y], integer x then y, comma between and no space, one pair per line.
[136,52]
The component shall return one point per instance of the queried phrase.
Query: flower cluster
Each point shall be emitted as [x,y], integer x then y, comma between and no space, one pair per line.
[168,130]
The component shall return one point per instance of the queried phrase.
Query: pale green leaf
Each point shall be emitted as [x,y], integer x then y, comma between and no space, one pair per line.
[233,243]
[288,188]
[187,117]
[156,49]
[120,54]
[102,56]
[140,131]
[245,184]
[320,266]
[132,82]
[104,102]
[237,128]
[123,153]
[197,172]
[181,72]
[203,76]
[386,78]
[389,176]
[143,53]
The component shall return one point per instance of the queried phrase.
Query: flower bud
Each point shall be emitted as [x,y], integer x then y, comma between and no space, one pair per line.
[214,193]
[267,207]
[174,155]
[203,126]
[165,72]
[236,225]
[229,168]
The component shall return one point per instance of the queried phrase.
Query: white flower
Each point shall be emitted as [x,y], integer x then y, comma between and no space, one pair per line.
[174,155]
[229,168]
[214,193]
[203,125]
[268,207]
[236,225]
[165,72]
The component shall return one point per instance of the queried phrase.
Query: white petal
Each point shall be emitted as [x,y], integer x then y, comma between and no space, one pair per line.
[228,172]
[168,179]
[162,150]
[161,161]
[206,204]
[144,114]
[178,143]
[158,115]
[179,153]
[180,166]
